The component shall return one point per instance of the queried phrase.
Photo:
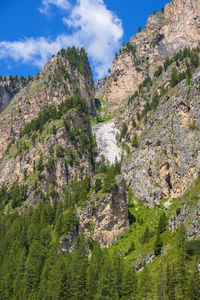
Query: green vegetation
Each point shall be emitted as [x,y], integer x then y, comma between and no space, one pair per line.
[51,113]
[123,130]
[147,262]
[33,268]
[101,115]
[187,58]
[135,141]
[15,79]
[78,59]
[131,48]
[60,151]
[184,55]
[15,196]
[158,72]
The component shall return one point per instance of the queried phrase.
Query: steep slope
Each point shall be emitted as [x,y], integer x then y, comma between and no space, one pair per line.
[47,124]
[9,87]
[162,122]
[59,207]
[165,33]
[48,151]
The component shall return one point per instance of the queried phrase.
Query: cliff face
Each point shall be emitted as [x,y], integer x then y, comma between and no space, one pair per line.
[8,89]
[164,34]
[165,140]
[106,217]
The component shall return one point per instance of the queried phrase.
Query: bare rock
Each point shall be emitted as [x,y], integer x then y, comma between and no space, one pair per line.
[105,218]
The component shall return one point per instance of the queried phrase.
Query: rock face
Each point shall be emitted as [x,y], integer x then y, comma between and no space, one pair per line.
[164,34]
[188,212]
[183,216]
[99,86]
[20,155]
[106,217]
[167,159]
[8,89]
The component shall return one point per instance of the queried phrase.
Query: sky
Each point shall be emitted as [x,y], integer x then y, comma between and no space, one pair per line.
[32,31]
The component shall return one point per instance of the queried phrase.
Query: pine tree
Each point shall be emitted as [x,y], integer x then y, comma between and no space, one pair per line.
[79,269]
[145,285]
[181,274]
[158,244]
[94,271]
[193,291]
[129,284]
[170,283]
[161,284]
[106,285]
[118,267]
[161,228]
[66,279]
[174,78]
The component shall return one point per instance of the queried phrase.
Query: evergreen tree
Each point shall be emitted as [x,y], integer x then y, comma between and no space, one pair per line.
[79,269]
[174,78]
[94,270]
[145,285]
[193,286]
[170,283]
[181,275]
[118,268]
[129,284]
[135,141]
[161,284]
[107,289]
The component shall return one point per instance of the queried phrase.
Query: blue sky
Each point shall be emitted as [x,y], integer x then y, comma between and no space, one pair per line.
[31,31]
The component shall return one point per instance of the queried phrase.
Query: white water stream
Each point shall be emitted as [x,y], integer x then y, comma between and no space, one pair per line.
[106,141]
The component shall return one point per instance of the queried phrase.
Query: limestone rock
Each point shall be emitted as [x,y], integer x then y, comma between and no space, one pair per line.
[105,218]
[8,89]
[167,159]
[164,35]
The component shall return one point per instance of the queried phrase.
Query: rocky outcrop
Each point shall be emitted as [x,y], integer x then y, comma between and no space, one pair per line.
[188,212]
[191,218]
[99,87]
[167,159]
[164,34]
[67,242]
[60,147]
[8,89]
[106,217]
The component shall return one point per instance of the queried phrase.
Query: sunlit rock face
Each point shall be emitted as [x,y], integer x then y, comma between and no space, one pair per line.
[164,34]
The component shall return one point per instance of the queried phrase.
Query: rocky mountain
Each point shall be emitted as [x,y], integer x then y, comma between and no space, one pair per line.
[47,143]
[114,165]
[40,125]
[166,32]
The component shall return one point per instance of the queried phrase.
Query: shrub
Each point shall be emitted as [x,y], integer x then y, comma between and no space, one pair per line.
[134,123]
[158,72]
[135,141]
[40,165]
[59,151]
[50,164]
[123,130]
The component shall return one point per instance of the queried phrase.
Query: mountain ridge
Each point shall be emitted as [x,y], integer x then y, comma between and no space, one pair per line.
[73,225]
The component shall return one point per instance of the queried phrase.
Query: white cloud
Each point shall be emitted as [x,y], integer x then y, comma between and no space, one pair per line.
[98,30]
[63,4]
[93,26]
